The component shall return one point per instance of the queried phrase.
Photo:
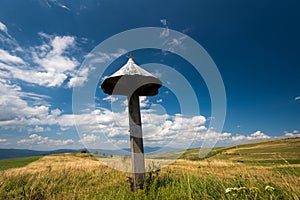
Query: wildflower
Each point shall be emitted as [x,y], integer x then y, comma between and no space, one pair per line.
[228,190]
[269,188]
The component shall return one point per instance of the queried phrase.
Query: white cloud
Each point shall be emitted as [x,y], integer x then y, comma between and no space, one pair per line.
[110,99]
[61,5]
[50,64]
[164,22]
[297,98]
[38,129]
[171,44]
[3,140]
[8,58]
[3,27]
[49,79]
[53,60]
[50,3]
[258,135]
[238,138]
[144,102]
[100,57]
[15,111]
[294,133]
[158,129]
[79,79]
[159,100]
[52,57]
[7,39]
[210,135]
[165,32]
[89,138]
[35,139]
[176,42]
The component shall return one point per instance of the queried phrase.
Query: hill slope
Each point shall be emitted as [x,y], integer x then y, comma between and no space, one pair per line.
[22,153]
[80,176]
[267,151]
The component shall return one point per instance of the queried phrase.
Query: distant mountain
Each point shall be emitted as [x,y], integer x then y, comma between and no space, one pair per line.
[21,153]
[150,150]
[127,151]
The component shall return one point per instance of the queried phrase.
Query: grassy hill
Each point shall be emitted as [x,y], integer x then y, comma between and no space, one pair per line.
[81,176]
[23,153]
[17,162]
[262,152]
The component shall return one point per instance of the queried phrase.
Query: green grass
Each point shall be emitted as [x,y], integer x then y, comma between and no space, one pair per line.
[17,162]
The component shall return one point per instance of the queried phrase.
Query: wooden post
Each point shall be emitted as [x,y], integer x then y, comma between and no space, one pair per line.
[136,142]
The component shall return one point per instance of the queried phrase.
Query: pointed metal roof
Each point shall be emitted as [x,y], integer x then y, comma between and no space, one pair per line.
[130,68]
[131,78]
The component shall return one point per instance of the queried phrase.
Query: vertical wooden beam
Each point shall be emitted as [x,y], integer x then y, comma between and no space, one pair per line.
[136,142]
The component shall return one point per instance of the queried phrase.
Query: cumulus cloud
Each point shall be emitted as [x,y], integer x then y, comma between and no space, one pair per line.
[3,27]
[52,63]
[50,56]
[3,140]
[17,112]
[158,129]
[238,137]
[8,58]
[49,64]
[48,79]
[38,129]
[258,135]
[110,99]
[35,139]
[294,133]
[79,78]
[144,102]
[89,138]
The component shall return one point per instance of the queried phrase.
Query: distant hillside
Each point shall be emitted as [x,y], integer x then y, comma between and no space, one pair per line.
[268,151]
[21,153]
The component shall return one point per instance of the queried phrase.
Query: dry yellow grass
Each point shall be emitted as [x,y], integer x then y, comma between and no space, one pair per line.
[70,176]
[221,168]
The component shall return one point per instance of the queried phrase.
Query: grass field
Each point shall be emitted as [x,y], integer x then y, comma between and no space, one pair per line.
[280,151]
[221,176]
[17,162]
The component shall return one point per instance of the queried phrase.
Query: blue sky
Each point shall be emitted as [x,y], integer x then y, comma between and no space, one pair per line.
[43,43]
